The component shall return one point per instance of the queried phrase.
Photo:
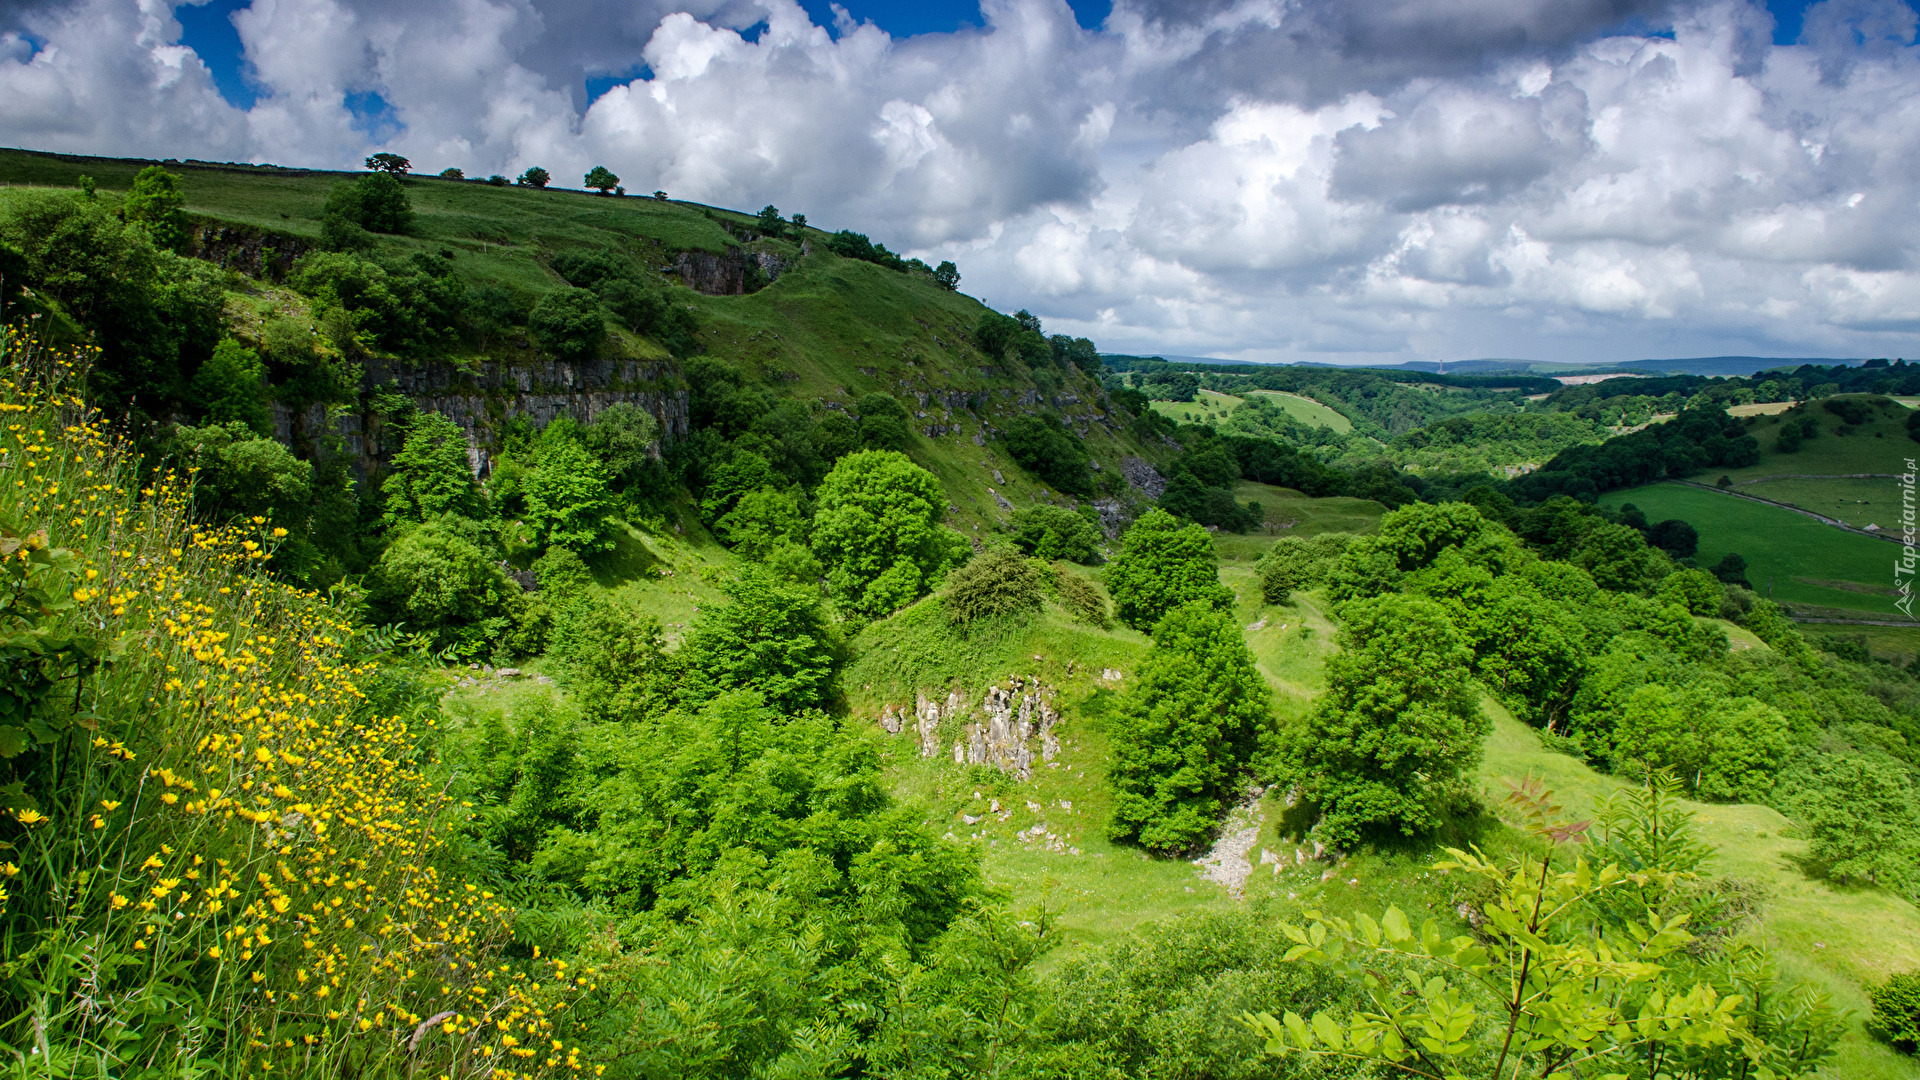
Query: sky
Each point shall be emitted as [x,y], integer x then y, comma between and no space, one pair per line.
[1270,180]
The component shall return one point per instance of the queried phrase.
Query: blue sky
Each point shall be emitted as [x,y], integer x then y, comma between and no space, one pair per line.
[208,30]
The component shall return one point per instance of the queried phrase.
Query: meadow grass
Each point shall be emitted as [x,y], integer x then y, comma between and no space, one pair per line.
[1208,405]
[1877,446]
[1858,502]
[1291,513]
[1306,410]
[1793,551]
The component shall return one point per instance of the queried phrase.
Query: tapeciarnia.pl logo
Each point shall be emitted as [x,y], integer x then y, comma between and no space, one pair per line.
[1903,569]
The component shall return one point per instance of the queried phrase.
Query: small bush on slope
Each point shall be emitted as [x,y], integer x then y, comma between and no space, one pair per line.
[227,860]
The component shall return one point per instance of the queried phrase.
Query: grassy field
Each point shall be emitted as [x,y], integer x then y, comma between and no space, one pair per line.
[1858,502]
[1207,405]
[1308,411]
[1807,562]
[1763,408]
[1290,513]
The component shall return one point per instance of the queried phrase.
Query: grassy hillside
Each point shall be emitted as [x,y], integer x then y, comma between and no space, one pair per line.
[1809,563]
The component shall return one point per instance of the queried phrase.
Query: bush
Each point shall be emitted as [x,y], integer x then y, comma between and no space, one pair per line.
[1298,562]
[535,177]
[1188,726]
[430,477]
[1053,532]
[561,574]
[376,203]
[1696,590]
[1043,446]
[155,201]
[885,424]
[1896,1011]
[438,580]
[1162,566]
[770,637]
[568,324]
[998,584]
[1082,598]
[569,503]
[622,438]
[232,387]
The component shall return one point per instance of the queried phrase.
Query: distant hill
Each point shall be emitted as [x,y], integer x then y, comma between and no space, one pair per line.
[1699,365]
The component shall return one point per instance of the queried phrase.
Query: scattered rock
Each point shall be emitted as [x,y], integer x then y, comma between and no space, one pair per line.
[508,673]
[1227,863]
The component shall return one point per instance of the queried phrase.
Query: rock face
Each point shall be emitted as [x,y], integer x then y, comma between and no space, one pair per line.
[1143,476]
[254,252]
[1012,723]
[737,272]
[480,399]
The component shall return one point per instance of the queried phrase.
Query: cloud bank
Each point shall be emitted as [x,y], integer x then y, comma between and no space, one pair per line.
[1263,179]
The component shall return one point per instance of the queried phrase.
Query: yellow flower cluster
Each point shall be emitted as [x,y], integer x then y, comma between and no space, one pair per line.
[240,823]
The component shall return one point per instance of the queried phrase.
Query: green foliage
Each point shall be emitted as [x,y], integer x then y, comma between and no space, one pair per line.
[241,474]
[1000,583]
[153,314]
[534,177]
[762,521]
[1043,446]
[1050,532]
[769,222]
[1298,562]
[376,203]
[568,501]
[1726,749]
[878,532]
[1896,1011]
[613,660]
[601,179]
[156,202]
[771,637]
[1410,539]
[404,307]
[622,438]
[1695,590]
[430,476]
[852,245]
[231,386]
[391,163]
[569,324]
[1572,994]
[1162,566]
[1081,598]
[1391,744]
[1189,726]
[947,276]
[885,424]
[40,646]
[1858,813]
[438,579]
[562,574]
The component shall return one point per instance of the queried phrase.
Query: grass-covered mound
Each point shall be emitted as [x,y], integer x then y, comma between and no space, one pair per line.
[222,854]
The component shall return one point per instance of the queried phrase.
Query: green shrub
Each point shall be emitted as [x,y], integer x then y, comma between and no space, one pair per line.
[885,424]
[569,503]
[437,579]
[1043,446]
[1696,590]
[1053,532]
[1081,598]
[1294,563]
[770,637]
[1896,1011]
[998,584]
[156,202]
[232,387]
[568,324]
[562,574]
[878,532]
[430,477]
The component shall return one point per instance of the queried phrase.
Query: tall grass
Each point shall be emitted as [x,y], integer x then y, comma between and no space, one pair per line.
[219,859]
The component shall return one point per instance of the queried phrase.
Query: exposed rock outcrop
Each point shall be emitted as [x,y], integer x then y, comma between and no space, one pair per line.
[256,253]
[1013,724]
[737,272]
[1143,475]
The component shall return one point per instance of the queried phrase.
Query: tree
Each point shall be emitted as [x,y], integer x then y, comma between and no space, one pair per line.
[1163,566]
[242,475]
[1001,583]
[452,173]
[1298,562]
[799,222]
[437,580]
[1732,569]
[1696,590]
[232,386]
[878,532]
[1044,447]
[622,438]
[534,177]
[1389,743]
[601,180]
[660,196]
[568,323]
[761,521]
[390,163]
[769,222]
[885,424]
[771,637]
[568,501]
[1858,813]
[1188,726]
[1675,537]
[430,475]
[947,276]
[1053,532]
[156,202]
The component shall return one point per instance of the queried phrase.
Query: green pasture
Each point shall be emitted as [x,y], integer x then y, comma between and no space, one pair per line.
[1858,502]
[1206,406]
[1880,445]
[1796,552]
[1290,513]
[1307,411]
